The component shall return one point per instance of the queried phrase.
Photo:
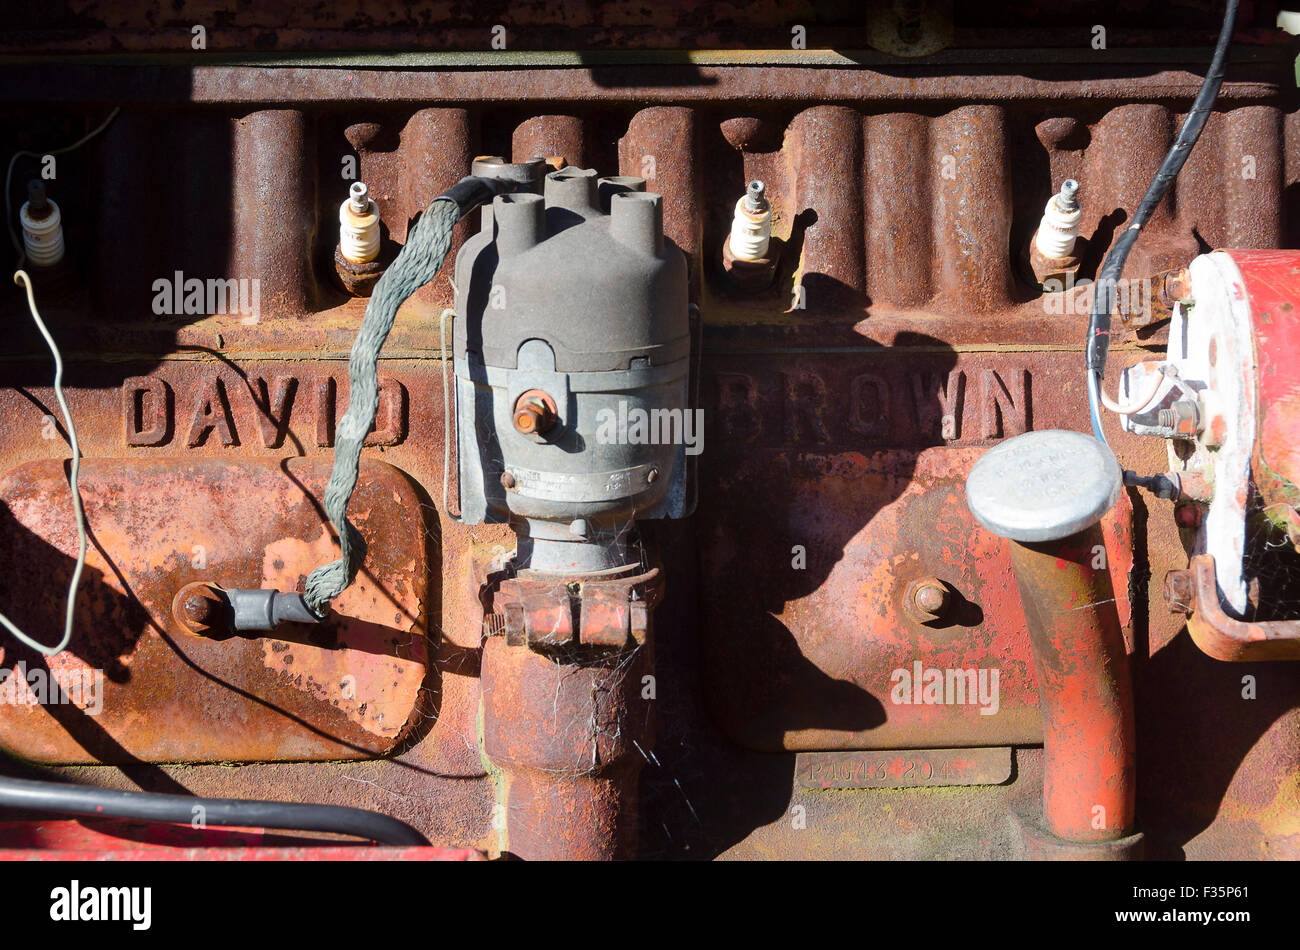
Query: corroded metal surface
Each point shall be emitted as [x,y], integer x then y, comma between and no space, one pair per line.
[915,768]
[568,735]
[807,583]
[843,416]
[152,25]
[1272,284]
[1195,592]
[345,689]
[1084,685]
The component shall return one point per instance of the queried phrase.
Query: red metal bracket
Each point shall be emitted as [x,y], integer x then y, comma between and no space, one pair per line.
[1218,635]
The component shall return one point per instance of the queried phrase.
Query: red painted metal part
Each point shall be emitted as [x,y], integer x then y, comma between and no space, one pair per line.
[1084,687]
[1221,784]
[109,840]
[567,718]
[347,688]
[1196,591]
[1271,282]
[802,648]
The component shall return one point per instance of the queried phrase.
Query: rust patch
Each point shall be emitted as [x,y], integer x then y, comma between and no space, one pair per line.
[345,689]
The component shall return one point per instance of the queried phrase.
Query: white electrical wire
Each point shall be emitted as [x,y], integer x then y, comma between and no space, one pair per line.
[20,277]
[9,174]
[1137,405]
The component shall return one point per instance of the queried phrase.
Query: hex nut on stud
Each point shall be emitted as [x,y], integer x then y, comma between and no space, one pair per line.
[535,413]
[202,610]
[926,599]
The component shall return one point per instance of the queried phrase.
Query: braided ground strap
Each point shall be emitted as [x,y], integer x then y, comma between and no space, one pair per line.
[416,264]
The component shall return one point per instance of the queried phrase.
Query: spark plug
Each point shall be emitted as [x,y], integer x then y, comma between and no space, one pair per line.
[751,226]
[1059,227]
[357,258]
[42,227]
[359,226]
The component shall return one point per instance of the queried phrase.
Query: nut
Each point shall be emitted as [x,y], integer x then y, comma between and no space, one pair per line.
[751,277]
[358,279]
[1180,592]
[535,413]
[202,610]
[926,599]
[1177,288]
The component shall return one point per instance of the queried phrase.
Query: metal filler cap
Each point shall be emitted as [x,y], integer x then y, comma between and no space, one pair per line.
[1043,486]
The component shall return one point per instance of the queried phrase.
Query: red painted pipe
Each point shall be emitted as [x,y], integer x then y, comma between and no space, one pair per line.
[1084,686]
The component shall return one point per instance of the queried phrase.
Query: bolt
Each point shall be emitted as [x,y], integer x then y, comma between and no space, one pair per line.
[534,413]
[359,196]
[926,599]
[507,480]
[1180,592]
[651,476]
[198,609]
[931,598]
[202,610]
[533,417]
[1178,287]
[1068,199]
[579,528]
[755,197]
[1183,418]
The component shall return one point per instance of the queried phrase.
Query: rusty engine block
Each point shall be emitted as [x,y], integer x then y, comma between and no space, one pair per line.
[762,687]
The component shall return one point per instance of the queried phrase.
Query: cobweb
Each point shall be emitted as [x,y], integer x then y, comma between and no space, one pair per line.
[1271,567]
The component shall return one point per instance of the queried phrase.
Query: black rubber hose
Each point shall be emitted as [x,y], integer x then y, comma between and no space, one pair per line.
[1103,300]
[217,812]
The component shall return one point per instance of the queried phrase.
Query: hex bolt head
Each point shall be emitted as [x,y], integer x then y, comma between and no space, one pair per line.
[202,610]
[926,599]
[507,480]
[1177,288]
[931,598]
[1180,592]
[534,413]
[531,418]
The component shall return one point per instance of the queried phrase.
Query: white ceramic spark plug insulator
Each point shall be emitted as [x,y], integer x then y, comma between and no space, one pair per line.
[1058,229]
[359,226]
[42,237]
[750,231]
